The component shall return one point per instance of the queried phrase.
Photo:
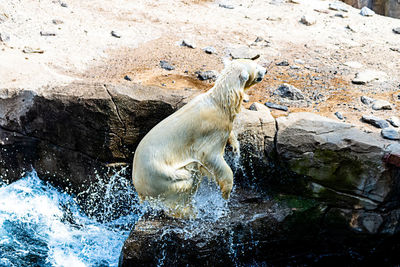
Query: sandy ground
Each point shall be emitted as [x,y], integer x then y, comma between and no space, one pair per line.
[83,48]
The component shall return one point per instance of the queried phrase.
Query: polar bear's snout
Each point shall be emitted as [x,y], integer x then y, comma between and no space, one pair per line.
[260,74]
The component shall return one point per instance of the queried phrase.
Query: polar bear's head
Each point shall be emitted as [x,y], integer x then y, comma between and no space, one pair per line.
[252,72]
[237,76]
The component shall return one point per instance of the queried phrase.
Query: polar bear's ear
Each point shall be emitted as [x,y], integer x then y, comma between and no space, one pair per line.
[244,76]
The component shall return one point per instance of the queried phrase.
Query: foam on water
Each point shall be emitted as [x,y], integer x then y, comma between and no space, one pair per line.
[39,225]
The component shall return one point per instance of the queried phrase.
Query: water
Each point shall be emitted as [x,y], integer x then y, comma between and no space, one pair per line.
[42,226]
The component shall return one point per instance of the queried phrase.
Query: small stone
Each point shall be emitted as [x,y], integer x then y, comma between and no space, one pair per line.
[396,49]
[341,15]
[283,63]
[353,64]
[210,50]
[337,6]
[126,77]
[351,28]
[324,11]
[381,104]
[390,133]
[367,100]
[57,21]
[271,18]
[4,37]
[188,43]
[396,30]
[207,75]
[166,66]
[368,76]
[395,121]
[115,34]
[375,121]
[365,11]
[29,50]
[339,115]
[44,33]
[295,67]
[258,107]
[258,39]
[244,52]
[227,6]
[308,20]
[63,4]
[246,98]
[299,61]
[295,1]
[276,106]
[289,91]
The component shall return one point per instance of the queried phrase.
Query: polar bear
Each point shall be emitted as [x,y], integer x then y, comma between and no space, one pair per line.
[172,158]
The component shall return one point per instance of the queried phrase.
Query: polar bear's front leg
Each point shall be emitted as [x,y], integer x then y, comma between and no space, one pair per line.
[222,173]
[232,140]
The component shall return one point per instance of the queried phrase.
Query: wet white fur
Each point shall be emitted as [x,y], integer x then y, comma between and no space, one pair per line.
[189,144]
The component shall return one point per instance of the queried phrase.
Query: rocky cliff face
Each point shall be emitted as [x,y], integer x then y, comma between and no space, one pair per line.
[389,8]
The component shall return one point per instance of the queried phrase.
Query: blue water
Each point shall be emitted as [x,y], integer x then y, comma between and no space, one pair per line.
[42,226]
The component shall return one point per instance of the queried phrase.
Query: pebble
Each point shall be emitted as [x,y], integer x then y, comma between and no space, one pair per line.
[308,20]
[390,133]
[63,4]
[289,91]
[188,43]
[29,50]
[338,7]
[295,67]
[166,66]
[209,50]
[339,115]
[126,77]
[341,15]
[258,39]
[365,11]
[258,107]
[57,21]
[351,28]
[367,100]
[227,6]
[396,30]
[367,76]
[206,75]
[115,34]
[353,64]
[44,33]
[246,98]
[276,106]
[375,121]
[299,61]
[244,52]
[381,104]
[283,63]
[4,37]
[395,121]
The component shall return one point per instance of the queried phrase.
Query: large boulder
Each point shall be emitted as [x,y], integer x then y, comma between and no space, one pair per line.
[71,133]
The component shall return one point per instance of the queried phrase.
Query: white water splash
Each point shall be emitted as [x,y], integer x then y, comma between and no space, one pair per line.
[41,226]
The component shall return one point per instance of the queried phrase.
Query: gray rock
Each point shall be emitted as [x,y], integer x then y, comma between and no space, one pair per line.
[289,91]
[57,21]
[341,15]
[368,76]
[258,107]
[115,34]
[375,121]
[227,6]
[188,43]
[166,66]
[30,50]
[339,115]
[258,39]
[337,156]
[299,61]
[284,63]
[294,67]
[4,37]
[337,6]
[246,98]
[244,52]
[63,4]
[308,20]
[365,11]
[207,75]
[126,77]
[390,133]
[381,104]
[367,100]
[395,121]
[396,30]
[371,221]
[276,106]
[210,50]
[47,33]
